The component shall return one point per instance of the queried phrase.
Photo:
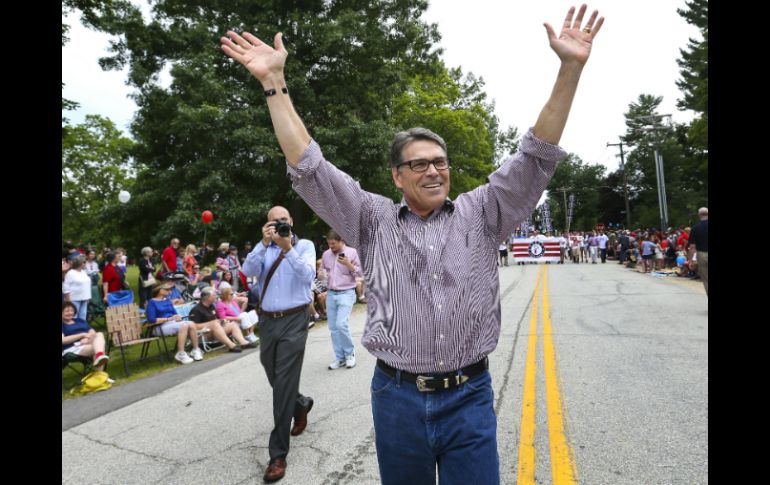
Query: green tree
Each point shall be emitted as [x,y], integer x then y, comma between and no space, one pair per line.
[694,86]
[582,180]
[682,174]
[95,167]
[695,81]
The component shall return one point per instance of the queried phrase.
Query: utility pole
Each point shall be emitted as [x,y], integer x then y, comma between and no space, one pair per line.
[563,191]
[625,179]
[655,128]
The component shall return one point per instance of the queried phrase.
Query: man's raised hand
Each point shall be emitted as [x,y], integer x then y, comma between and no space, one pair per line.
[260,59]
[574,44]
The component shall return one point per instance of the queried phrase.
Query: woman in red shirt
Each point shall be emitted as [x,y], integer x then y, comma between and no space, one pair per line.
[110,277]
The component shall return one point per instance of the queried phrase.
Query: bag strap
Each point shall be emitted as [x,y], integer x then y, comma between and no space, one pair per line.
[267,280]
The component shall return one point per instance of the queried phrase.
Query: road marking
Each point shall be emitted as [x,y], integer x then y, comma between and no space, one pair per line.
[526,466]
[562,458]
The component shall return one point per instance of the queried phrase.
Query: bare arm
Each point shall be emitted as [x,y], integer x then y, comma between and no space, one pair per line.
[573,46]
[266,64]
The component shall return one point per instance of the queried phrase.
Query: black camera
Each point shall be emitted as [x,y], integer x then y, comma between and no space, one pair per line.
[282,228]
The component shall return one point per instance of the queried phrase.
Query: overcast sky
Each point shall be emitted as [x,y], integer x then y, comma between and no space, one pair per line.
[505,43]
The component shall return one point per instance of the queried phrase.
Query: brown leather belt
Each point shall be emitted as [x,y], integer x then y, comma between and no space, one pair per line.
[438,382]
[283,313]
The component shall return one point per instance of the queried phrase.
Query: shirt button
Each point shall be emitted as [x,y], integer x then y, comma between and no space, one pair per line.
[439,306]
[430,247]
[435,276]
[442,335]
[441,363]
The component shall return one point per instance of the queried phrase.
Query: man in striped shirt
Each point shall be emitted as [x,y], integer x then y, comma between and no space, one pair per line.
[430,268]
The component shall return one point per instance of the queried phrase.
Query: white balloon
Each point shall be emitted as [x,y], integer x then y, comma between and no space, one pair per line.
[124,196]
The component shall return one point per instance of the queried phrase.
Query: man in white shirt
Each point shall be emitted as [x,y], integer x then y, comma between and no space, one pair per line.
[603,246]
[562,248]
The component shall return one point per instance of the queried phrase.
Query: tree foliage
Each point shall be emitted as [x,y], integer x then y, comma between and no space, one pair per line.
[95,167]
[357,72]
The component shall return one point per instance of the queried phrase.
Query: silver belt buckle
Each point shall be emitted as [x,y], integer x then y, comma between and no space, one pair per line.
[420,381]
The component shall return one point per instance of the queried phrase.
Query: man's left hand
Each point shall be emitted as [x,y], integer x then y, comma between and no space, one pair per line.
[574,44]
[282,242]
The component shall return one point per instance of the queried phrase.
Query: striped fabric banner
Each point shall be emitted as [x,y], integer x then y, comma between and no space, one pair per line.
[537,250]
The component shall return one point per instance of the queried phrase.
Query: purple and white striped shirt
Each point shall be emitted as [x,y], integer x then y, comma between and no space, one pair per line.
[432,284]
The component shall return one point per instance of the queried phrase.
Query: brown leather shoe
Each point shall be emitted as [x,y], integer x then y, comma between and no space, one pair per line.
[300,418]
[275,470]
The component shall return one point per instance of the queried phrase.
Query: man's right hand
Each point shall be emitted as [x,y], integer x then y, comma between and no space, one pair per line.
[268,230]
[260,59]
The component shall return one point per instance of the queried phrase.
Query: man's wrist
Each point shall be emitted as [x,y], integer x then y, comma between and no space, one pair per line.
[273,81]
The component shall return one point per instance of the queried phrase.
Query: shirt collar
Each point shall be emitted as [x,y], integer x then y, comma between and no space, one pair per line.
[403,208]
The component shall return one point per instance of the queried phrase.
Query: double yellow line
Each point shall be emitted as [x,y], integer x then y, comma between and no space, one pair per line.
[562,459]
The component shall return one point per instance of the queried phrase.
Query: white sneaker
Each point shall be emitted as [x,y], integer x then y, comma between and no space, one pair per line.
[311,324]
[252,338]
[197,354]
[337,364]
[182,358]
[350,361]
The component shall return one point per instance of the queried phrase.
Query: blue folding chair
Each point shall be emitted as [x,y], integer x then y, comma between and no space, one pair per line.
[122,297]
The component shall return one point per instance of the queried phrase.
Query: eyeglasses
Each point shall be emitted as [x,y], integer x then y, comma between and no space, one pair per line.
[421,164]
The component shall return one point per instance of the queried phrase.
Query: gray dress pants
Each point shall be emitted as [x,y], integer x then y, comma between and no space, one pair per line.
[282,349]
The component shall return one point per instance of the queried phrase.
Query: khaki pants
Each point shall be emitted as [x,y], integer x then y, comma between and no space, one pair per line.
[703,268]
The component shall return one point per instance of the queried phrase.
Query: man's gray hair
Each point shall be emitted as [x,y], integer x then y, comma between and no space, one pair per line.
[403,138]
[703,211]
[146,251]
[207,292]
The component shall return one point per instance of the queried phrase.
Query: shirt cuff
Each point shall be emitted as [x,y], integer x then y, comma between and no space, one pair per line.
[531,145]
[308,163]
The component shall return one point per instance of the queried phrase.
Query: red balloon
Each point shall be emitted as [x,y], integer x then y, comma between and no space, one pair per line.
[207,217]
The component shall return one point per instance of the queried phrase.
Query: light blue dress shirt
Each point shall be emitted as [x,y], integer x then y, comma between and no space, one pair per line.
[291,284]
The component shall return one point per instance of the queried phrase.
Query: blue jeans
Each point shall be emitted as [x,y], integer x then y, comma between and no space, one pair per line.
[339,304]
[454,429]
[82,308]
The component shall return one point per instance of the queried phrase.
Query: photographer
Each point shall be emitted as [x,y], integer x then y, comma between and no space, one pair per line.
[284,267]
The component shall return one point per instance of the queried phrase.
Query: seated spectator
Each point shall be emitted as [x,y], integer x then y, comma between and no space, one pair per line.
[221,264]
[160,310]
[195,275]
[229,310]
[206,319]
[227,280]
[174,294]
[203,282]
[77,287]
[78,338]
